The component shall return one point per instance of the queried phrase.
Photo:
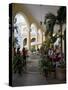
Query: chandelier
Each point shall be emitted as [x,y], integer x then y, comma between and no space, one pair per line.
[41,15]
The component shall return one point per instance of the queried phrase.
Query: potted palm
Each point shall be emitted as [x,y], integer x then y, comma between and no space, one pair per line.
[47,67]
[52,70]
[44,66]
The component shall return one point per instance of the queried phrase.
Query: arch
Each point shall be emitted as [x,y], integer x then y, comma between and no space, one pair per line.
[33,29]
[33,39]
[21,13]
[22,29]
[25,41]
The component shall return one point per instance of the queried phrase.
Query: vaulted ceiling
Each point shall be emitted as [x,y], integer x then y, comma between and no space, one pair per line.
[39,11]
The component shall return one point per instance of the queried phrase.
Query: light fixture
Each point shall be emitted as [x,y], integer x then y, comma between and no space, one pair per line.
[53,34]
[40,15]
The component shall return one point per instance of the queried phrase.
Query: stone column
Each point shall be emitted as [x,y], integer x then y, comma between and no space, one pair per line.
[37,40]
[41,36]
[28,39]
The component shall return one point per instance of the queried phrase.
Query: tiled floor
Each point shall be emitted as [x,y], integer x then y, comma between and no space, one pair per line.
[29,79]
[32,76]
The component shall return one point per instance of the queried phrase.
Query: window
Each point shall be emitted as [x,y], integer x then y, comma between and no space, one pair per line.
[33,29]
[20,30]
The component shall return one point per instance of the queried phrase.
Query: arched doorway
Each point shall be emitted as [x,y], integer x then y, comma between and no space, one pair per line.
[21,31]
[25,41]
[34,35]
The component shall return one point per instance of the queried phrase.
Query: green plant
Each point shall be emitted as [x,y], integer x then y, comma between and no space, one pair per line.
[50,20]
[45,64]
[17,62]
[33,49]
[61,19]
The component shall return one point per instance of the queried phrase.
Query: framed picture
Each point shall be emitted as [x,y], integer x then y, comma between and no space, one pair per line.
[37,44]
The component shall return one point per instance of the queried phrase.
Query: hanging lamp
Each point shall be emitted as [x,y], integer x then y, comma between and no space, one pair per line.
[40,15]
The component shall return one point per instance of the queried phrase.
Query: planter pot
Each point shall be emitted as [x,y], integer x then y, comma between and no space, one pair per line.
[46,73]
[61,73]
[51,74]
